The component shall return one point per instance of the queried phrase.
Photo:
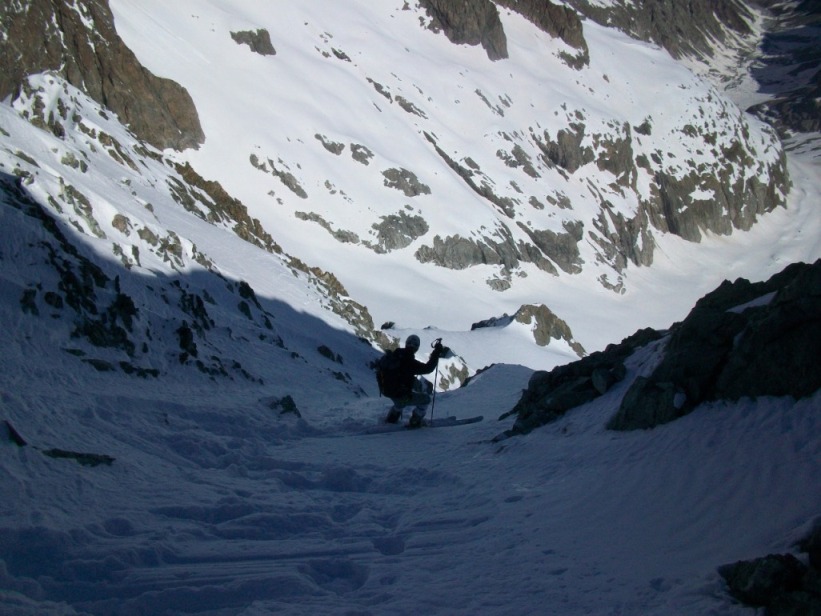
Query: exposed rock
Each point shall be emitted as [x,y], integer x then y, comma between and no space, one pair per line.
[558,21]
[566,150]
[84,459]
[258,40]
[780,583]
[78,41]
[756,582]
[361,154]
[790,67]
[405,181]
[457,252]
[811,544]
[333,147]
[743,339]
[683,27]
[288,179]
[472,22]
[615,154]
[398,230]
[549,395]
[547,326]
[285,405]
[561,248]
[13,434]
[484,189]
[340,235]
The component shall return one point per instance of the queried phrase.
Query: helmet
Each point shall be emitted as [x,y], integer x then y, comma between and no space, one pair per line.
[412,342]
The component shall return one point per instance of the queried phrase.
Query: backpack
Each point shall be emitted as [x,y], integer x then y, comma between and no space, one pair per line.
[388,372]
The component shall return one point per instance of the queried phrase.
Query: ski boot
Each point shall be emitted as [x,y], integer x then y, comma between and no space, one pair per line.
[415,421]
[393,416]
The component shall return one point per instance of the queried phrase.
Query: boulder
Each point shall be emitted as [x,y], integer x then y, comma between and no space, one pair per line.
[757,582]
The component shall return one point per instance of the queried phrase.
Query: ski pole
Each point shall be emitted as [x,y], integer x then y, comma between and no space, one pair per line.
[433,404]
[435,379]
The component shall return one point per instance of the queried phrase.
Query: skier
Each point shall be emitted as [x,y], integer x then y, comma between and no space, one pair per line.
[397,378]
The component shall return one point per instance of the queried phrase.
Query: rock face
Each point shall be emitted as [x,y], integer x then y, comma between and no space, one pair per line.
[473,23]
[545,325]
[78,41]
[259,41]
[549,395]
[476,22]
[558,21]
[791,67]
[742,340]
[683,27]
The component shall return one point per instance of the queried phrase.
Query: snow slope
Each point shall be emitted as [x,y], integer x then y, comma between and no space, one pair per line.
[218,502]
[263,106]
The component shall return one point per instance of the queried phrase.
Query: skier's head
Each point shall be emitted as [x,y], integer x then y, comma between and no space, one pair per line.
[412,343]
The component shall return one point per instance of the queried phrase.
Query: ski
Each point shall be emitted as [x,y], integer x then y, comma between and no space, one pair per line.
[441,422]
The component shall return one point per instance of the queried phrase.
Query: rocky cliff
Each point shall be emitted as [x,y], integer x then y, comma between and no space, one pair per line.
[742,340]
[78,41]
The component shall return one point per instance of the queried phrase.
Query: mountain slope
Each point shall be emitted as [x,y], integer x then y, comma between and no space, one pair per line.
[530,180]
[185,377]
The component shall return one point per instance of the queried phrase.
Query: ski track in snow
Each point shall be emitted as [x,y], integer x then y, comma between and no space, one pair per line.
[247,517]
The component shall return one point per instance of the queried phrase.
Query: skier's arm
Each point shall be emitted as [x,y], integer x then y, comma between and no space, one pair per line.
[427,368]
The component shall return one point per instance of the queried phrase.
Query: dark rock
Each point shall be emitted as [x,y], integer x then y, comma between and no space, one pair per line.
[473,22]
[743,339]
[566,150]
[285,406]
[549,395]
[757,582]
[44,35]
[646,404]
[14,435]
[558,21]
[397,231]
[561,248]
[683,27]
[405,181]
[789,69]
[258,40]
[811,544]
[546,326]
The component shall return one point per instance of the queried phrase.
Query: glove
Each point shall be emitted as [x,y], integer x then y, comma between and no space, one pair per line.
[438,349]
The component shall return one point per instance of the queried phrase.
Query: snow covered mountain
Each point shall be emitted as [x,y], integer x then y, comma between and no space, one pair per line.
[416,176]
[210,209]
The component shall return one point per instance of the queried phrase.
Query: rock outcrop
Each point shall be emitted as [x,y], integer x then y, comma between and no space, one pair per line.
[558,21]
[780,583]
[688,27]
[549,395]
[78,41]
[469,23]
[545,325]
[742,340]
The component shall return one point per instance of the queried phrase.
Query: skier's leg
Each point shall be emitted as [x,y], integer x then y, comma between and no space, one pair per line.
[420,402]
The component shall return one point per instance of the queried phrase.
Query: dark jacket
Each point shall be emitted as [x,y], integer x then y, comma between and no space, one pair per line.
[410,367]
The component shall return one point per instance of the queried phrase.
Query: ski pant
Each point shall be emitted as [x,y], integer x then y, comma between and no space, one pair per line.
[417,399]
